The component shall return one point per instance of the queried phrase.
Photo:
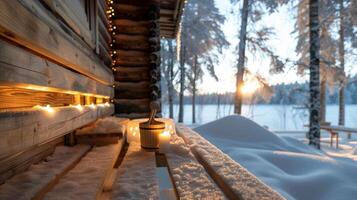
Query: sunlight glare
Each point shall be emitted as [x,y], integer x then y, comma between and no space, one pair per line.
[249,87]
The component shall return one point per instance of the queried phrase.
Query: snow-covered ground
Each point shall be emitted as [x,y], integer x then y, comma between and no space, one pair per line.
[285,163]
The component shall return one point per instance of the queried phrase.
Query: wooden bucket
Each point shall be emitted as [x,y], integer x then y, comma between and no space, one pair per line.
[149,134]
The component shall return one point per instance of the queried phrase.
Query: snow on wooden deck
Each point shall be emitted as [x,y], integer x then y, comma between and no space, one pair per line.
[136,178]
[85,180]
[235,178]
[191,179]
[26,185]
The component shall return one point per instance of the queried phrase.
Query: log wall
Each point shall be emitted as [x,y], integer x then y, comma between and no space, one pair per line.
[136,57]
[55,71]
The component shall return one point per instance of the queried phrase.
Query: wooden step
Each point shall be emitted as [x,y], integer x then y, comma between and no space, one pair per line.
[136,178]
[86,179]
[38,178]
[99,139]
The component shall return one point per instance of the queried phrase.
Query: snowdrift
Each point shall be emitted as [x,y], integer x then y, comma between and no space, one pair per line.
[291,167]
[105,125]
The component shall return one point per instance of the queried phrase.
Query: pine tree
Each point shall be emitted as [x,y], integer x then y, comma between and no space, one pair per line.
[203,41]
[314,86]
[252,12]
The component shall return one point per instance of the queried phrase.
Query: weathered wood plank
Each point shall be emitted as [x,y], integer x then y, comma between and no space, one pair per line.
[11,97]
[183,163]
[87,177]
[103,30]
[102,12]
[19,25]
[33,183]
[24,128]
[110,174]
[19,162]
[74,14]
[138,168]
[19,67]
[233,179]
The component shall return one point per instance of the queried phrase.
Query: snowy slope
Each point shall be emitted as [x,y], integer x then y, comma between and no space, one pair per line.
[291,167]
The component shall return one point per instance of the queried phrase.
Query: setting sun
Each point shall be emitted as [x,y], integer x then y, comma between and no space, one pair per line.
[249,87]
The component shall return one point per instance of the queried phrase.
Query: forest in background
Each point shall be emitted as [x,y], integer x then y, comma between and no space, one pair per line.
[285,94]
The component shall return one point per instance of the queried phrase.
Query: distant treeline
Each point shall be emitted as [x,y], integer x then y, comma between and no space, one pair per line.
[295,93]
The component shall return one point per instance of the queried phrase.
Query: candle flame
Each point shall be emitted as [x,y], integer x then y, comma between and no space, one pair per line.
[165,133]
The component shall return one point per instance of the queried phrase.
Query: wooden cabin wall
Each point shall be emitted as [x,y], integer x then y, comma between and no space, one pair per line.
[54,54]
[136,57]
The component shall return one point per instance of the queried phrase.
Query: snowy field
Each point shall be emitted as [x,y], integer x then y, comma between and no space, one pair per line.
[285,162]
[276,117]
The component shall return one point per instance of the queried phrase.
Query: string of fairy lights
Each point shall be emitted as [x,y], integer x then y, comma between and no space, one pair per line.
[110,14]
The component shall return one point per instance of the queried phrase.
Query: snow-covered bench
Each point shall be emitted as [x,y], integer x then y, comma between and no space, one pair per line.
[234,180]
[334,130]
[190,177]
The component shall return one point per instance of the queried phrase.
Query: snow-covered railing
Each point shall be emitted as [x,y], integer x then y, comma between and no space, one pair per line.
[234,180]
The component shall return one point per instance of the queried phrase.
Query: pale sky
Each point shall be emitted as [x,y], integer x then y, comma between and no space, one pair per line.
[283,43]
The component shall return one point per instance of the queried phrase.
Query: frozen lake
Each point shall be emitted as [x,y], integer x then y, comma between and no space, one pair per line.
[275,117]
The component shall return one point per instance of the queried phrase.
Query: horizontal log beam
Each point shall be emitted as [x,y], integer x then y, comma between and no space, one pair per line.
[133,115]
[131,42]
[132,106]
[138,90]
[21,68]
[20,26]
[132,30]
[132,57]
[125,11]
[23,128]
[131,74]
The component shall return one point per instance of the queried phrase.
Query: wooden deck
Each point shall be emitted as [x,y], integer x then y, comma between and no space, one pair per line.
[126,171]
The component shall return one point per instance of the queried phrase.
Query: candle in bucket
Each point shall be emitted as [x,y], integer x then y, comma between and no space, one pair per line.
[164,141]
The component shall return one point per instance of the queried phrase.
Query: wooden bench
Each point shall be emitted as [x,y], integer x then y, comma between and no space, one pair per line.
[334,130]
[233,179]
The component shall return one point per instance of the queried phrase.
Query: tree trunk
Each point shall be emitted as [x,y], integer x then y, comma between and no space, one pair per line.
[341,52]
[194,91]
[314,128]
[323,101]
[241,57]
[182,83]
[218,114]
[171,80]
